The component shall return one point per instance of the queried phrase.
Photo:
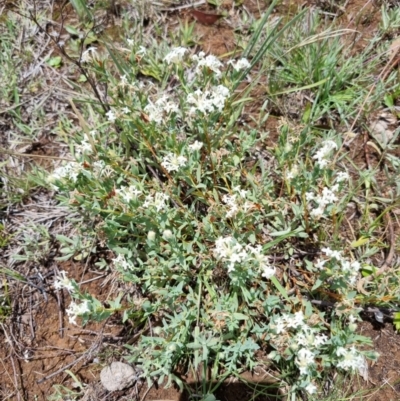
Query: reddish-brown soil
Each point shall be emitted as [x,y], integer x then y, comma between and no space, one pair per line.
[43,342]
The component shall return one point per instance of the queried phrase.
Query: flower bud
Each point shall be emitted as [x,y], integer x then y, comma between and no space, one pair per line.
[352,326]
[157,330]
[172,347]
[167,234]
[151,235]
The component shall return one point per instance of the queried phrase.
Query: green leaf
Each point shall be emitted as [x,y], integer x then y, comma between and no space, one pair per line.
[81,8]
[278,286]
[240,316]
[396,321]
[54,61]
[360,242]
[194,346]
[317,284]
[72,30]
[367,270]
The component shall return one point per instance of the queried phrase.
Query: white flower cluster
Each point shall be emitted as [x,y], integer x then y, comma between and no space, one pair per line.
[340,265]
[208,101]
[342,176]
[285,322]
[69,171]
[175,56]
[352,359]
[241,64]
[74,310]
[172,162]
[64,282]
[230,251]
[121,262]
[321,155]
[305,360]
[233,202]
[210,62]
[326,198]
[128,193]
[306,342]
[159,201]
[85,146]
[156,111]
[267,271]
[101,169]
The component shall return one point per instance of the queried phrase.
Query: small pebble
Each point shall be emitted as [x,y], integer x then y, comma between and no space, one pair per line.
[117,376]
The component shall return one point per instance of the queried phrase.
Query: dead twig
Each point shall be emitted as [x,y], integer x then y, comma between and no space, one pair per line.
[86,356]
[17,384]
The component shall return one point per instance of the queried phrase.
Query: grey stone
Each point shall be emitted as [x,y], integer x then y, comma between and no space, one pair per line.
[117,376]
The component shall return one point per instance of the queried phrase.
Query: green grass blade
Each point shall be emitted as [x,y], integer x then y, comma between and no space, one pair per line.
[81,9]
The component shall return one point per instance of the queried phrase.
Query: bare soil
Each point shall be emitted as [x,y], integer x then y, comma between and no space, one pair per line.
[40,344]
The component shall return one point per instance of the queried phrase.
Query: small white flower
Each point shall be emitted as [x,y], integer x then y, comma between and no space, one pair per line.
[210,62]
[239,65]
[310,196]
[74,310]
[142,51]
[128,193]
[69,171]
[88,54]
[261,260]
[230,200]
[219,95]
[130,42]
[356,266]
[64,282]
[154,112]
[229,250]
[296,320]
[196,145]
[305,358]
[151,235]
[172,162]
[242,193]
[167,234]
[311,388]
[327,147]
[327,197]
[320,339]
[342,176]
[352,323]
[294,171]
[201,102]
[122,263]
[85,147]
[123,80]
[157,110]
[332,254]
[175,56]
[158,201]
[268,271]
[320,264]
[208,101]
[111,116]
[280,325]
[352,359]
